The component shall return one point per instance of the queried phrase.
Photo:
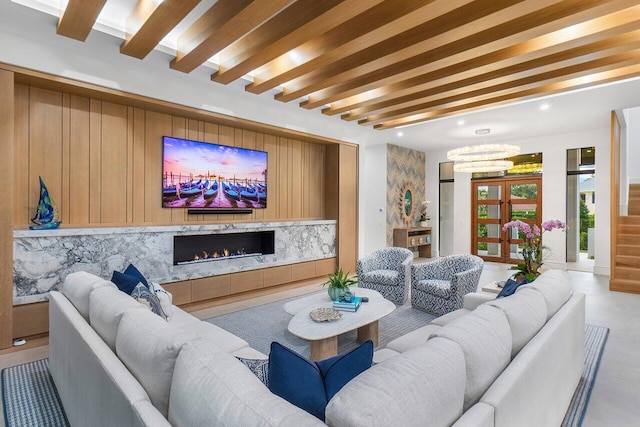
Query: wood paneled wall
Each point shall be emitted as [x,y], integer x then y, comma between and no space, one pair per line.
[102,162]
[6,210]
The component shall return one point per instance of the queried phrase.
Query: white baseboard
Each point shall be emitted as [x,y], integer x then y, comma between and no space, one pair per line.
[556,265]
[634,180]
[601,271]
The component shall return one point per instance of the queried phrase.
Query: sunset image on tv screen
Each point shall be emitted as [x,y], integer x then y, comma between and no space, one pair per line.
[202,175]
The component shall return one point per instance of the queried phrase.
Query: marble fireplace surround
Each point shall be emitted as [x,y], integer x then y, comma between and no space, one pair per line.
[42,259]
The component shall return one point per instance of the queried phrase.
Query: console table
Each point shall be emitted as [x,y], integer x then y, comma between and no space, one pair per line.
[417,237]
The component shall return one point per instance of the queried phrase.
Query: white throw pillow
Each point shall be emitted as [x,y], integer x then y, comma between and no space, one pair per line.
[165,298]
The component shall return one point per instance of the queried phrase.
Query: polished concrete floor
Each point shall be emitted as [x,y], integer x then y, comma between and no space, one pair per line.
[615,401]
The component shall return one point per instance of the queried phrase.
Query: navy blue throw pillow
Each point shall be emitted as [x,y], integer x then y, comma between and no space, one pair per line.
[131,270]
[510,288]
[125,282]
[310,385]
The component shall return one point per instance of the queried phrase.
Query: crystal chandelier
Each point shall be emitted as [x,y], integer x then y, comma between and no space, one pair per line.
[483,158]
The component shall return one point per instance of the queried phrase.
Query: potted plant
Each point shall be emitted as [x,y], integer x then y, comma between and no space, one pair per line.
[532,247]
[339,283]
[425,220]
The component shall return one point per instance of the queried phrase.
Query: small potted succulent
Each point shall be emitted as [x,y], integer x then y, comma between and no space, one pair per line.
[339,283]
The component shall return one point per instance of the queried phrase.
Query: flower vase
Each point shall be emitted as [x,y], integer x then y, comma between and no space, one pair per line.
[425,223]
[334,293]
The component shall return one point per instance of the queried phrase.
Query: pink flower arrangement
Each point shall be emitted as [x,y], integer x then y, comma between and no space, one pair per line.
[532,247]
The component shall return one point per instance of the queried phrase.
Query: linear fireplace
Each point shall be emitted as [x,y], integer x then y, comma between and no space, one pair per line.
[215,247]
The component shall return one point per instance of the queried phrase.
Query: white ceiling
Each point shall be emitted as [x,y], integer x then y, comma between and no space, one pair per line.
[580,110]
[584,109]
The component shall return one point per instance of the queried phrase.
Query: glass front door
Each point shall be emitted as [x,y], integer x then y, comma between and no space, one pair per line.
[496,202]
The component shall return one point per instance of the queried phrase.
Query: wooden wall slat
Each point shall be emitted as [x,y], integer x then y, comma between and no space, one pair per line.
[95,163]
[113,164]
[282,190]
[130,148]
[102,162]
[270,145]
[137,181]
[21,213]
[156,126]
[65,203]
[79,158]
[7,177]
[45,141]
[296,194]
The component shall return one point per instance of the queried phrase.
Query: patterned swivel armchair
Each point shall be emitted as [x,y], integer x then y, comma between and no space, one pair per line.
[438,286]
[386,271]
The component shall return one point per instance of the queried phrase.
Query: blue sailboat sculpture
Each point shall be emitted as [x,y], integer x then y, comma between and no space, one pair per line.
[46,216]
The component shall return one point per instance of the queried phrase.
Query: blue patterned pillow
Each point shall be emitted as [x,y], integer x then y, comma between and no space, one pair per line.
[310,385]
[144,296]
[260,367]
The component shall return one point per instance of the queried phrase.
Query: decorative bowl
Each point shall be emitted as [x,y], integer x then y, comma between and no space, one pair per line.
[324,314]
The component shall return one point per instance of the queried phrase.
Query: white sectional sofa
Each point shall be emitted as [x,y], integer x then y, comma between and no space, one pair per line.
[115,363]
[513,362]
[508,362]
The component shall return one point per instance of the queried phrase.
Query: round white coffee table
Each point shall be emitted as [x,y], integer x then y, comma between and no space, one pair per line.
[324,335]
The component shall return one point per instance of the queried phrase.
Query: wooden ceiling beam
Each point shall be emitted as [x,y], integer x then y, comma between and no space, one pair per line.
[376,24]
[224,23]
[506,85]
[150,22]
[78,18]
[285,32]
[570,84]
[406,44]
[459,67]
[553,18]
[543,63]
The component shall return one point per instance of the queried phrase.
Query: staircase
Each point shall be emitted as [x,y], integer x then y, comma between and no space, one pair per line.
[634,199]
[626,269]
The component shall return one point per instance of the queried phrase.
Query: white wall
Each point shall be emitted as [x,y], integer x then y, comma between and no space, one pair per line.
[633,144]
[373,191]
[554,157]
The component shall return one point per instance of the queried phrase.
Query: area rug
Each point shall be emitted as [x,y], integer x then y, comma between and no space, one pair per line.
[30,398]
[261,325]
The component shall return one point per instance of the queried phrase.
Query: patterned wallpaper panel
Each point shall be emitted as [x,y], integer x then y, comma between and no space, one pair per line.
[403,165]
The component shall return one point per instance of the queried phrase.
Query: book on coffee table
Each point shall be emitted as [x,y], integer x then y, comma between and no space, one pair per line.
[353,305]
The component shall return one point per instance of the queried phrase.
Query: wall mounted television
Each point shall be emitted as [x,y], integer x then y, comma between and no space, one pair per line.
[202,175]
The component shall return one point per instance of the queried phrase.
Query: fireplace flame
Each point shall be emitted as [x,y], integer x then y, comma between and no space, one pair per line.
[215,254]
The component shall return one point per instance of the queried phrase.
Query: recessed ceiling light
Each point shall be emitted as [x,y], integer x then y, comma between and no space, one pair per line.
[544,107]
[484,131]
[400,134]
[460,122]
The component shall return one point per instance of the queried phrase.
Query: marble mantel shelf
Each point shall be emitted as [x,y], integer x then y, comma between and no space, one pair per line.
[179,229]
[43,258]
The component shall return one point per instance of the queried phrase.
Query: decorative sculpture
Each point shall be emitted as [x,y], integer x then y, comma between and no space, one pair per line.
[46,216]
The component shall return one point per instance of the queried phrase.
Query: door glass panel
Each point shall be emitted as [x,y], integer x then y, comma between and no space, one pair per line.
[488,192]
[489,230]
[523,191]
[489,211]
[524,211]
[488,249]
